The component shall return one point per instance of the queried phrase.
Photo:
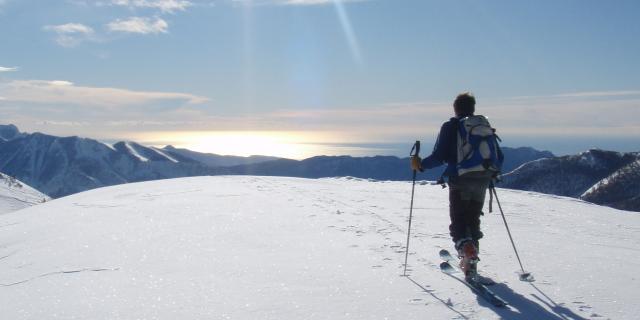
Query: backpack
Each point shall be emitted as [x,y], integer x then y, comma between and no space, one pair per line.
[477,147]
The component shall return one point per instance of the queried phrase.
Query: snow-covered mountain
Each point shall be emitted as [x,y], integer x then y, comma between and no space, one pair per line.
[8,132]
[515,157]
[620,189]
[246,247]
[575,175]
[16,195]
[60,166]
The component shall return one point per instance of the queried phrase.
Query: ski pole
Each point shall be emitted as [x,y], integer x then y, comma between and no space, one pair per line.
[415,152]
[524,276]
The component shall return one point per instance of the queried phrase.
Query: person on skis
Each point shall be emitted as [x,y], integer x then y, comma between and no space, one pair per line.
[468,145]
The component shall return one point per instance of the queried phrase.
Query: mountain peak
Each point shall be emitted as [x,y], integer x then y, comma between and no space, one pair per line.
[8,131]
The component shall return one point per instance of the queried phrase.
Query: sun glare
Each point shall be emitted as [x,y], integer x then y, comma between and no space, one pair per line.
[292,145]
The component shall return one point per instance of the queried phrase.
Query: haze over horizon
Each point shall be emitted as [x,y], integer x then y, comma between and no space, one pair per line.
[309,77]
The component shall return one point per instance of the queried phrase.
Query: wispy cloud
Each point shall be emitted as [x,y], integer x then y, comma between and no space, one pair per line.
[294,2]
[610,114]
[65,92]
[165,6]
[8,69]
[583,94]
[139,25]
[315,2]
[70,34]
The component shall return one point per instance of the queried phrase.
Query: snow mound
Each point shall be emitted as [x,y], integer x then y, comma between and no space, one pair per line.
[247,247]
[16,195]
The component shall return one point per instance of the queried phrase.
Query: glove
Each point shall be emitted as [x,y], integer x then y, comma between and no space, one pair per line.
[416,164]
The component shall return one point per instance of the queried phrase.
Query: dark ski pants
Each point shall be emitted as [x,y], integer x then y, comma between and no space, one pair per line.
[466,199]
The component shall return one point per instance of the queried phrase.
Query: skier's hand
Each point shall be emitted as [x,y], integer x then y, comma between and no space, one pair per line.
[416,164]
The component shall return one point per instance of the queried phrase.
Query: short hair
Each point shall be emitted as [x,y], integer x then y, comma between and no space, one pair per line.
[465,104]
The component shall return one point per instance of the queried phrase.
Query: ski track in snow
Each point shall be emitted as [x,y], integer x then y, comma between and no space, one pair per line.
[370,218]
[57,273]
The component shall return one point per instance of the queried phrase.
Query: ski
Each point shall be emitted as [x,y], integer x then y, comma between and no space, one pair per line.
[452,261]
[475,285]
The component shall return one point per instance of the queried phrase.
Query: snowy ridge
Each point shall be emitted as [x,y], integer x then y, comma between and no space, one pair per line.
[604,182]
[620,189]
[247,247]
[16,195]
[158,151]
[135,153]
[573,176]
[110,146]
[60,166]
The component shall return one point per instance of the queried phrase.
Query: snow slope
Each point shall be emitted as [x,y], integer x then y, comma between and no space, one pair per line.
[248,247]
[15,195]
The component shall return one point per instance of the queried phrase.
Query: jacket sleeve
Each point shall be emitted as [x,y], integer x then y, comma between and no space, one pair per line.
[439,154]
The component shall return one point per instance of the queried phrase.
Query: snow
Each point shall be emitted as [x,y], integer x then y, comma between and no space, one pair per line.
[164,155]
[135,153]
[16,195]
[608,179]
[247,247]
[109,145]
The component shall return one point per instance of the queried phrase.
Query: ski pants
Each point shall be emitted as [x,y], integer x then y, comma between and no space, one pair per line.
[466,199]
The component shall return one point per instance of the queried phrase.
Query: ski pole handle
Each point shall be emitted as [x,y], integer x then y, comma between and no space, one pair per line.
[415,158]
[415,151]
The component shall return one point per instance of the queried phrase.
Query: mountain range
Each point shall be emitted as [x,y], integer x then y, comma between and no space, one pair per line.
[602,177]
[378,167]
[60,166]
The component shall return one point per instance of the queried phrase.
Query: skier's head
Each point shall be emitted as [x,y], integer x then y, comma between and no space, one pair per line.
[465,104]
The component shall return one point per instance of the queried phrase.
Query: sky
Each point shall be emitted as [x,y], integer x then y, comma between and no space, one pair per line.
[297,78]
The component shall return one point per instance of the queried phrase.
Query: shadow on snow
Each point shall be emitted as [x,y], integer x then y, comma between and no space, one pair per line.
[519,307]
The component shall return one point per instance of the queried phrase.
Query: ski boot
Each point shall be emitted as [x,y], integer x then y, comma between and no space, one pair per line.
[468,253]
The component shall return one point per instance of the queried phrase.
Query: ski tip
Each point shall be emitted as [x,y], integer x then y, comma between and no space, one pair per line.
[526,277]
[446,267]
[444,254]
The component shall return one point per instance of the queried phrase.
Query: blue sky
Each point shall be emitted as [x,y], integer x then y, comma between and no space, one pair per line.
[302,77]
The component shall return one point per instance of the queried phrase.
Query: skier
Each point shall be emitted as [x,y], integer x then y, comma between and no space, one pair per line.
[468,175]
